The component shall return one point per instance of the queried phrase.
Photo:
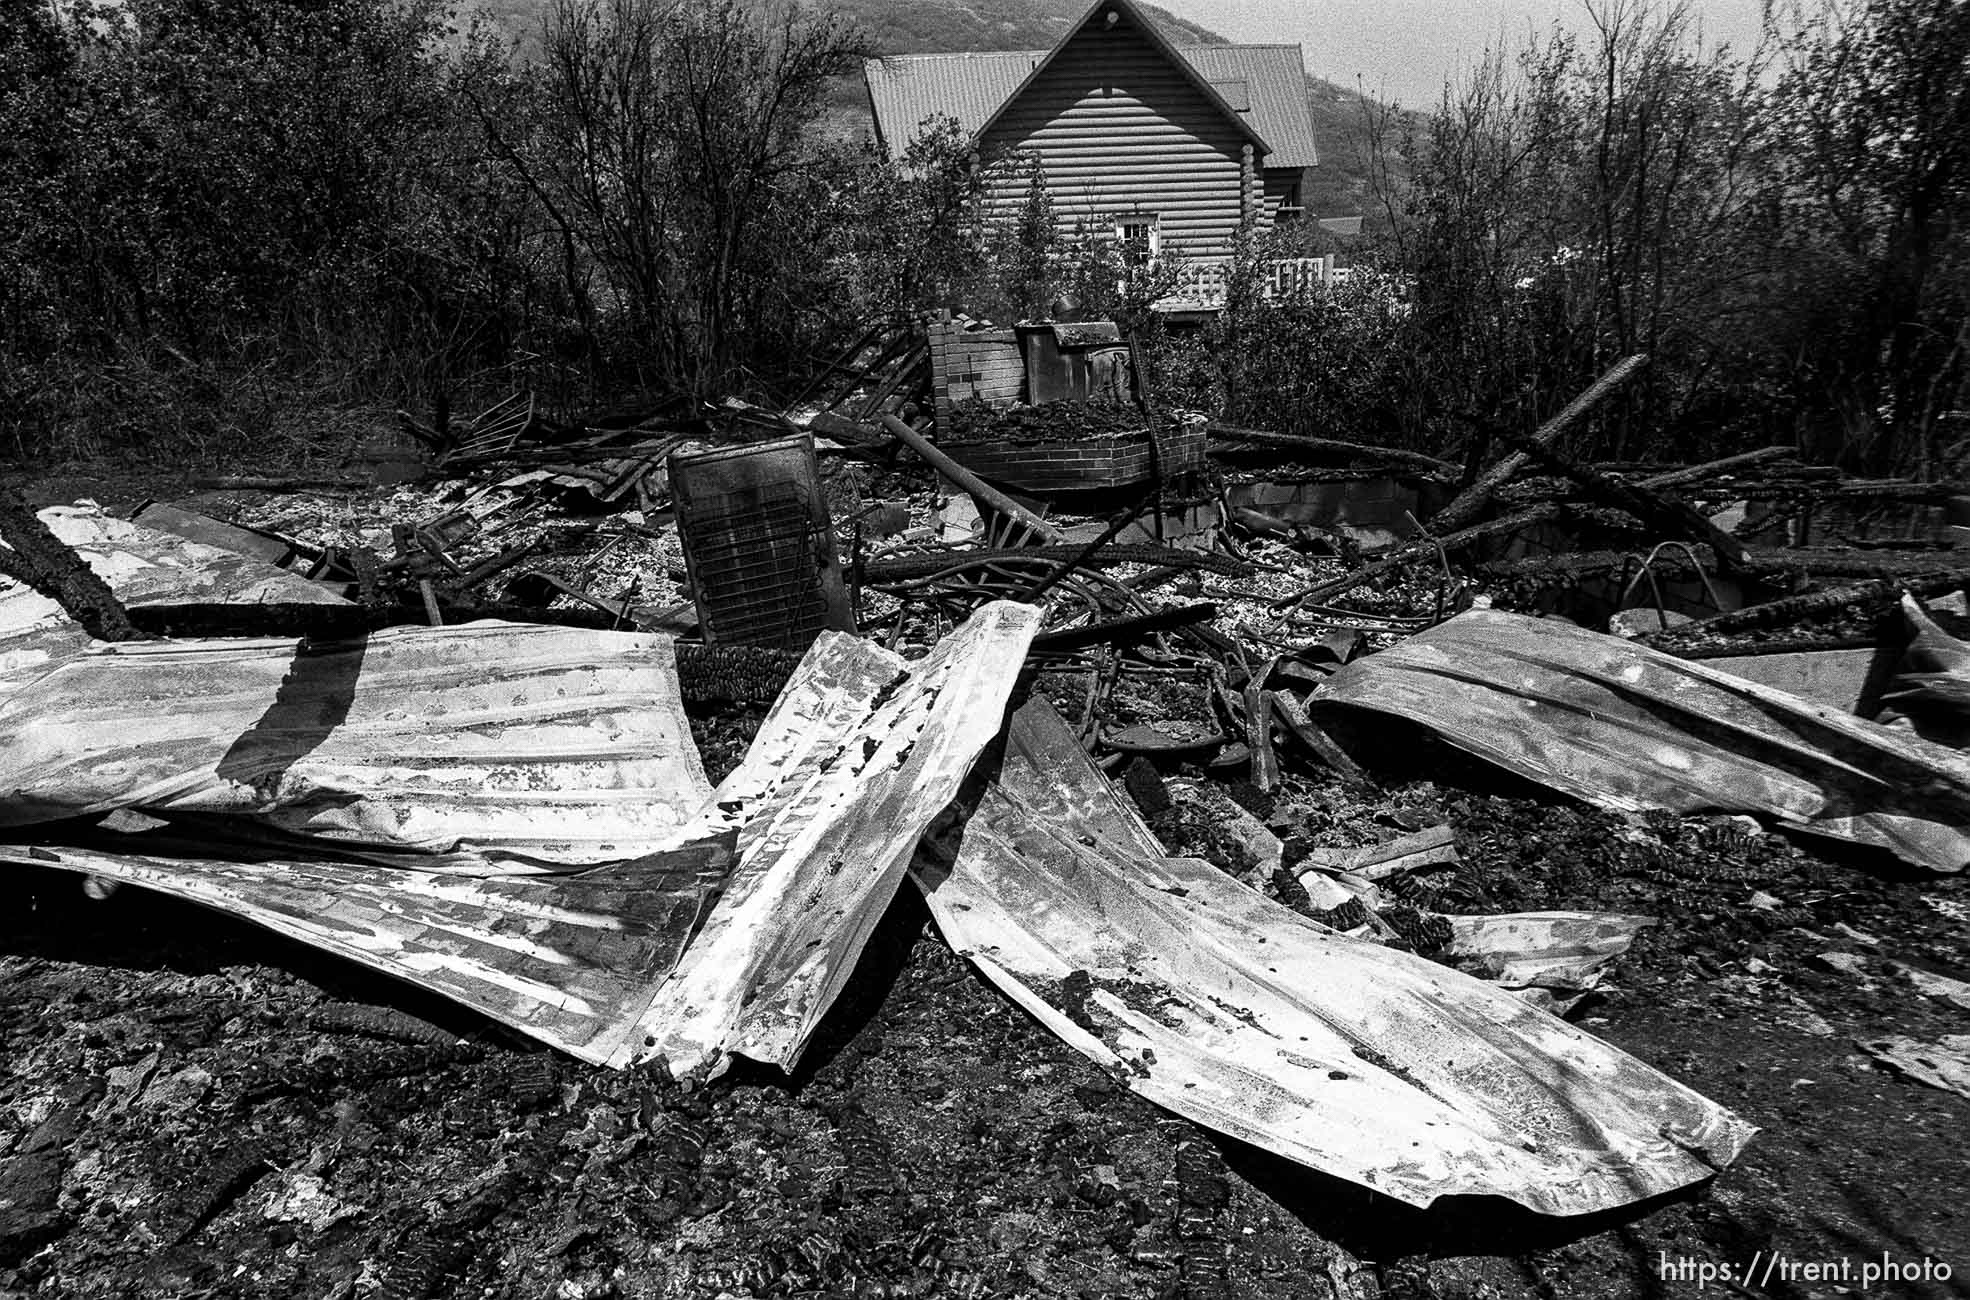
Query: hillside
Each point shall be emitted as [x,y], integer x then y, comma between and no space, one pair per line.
[937,26]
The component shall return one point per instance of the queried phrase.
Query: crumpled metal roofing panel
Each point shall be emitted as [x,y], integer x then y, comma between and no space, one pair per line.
[858,756]
[569,960]
[1629,728]
[548,745]
[1210,999]
[732,934]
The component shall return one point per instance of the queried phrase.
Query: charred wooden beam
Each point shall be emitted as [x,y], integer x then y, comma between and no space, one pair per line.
[1813,604]
[1470,503]
[1716,468]
[903,568]
[1361,450]
[1664,514]
[1418,550]
[321,620]
[1907,566]
[1115,631]
[264,483]
[35,556]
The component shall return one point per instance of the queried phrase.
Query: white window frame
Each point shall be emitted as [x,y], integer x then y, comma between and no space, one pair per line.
[1153,246]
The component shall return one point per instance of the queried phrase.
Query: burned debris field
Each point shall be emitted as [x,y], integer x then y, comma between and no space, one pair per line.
[735,650]
[168,1064]
[199,1105]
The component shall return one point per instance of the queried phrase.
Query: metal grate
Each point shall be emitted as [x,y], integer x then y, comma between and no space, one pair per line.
[755,556]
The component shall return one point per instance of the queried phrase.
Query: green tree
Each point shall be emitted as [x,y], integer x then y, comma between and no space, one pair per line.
[1875,106]
[1582,202]
[37,70]
[219,197]
[672,146]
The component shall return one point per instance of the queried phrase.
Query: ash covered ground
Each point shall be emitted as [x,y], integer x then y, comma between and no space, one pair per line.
[194,1107]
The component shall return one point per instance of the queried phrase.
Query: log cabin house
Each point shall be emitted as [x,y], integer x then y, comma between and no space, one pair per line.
[1169,148]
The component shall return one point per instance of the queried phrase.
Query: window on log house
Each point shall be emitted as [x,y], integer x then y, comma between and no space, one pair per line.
[1141,238]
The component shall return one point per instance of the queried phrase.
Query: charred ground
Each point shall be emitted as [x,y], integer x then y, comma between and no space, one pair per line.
[197,1108]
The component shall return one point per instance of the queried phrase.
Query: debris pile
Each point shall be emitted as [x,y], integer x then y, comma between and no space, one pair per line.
[625,736]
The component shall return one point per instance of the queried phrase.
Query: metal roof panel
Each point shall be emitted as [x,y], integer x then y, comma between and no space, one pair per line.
[1275,80]
[907,90]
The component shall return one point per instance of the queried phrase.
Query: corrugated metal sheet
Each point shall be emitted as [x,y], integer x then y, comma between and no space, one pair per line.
[1556,951]
[147,566]
[1631,728]
[1206,997]
[569,960]
[734,935]
[143,566]
[542,744]
[859,754]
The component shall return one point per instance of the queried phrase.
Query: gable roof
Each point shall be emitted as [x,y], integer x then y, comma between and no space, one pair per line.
[1145,25]
[905,89]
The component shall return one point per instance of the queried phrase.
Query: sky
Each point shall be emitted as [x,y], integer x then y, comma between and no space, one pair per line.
[1405,49]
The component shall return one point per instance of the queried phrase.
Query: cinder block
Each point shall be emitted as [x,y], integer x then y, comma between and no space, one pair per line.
[1369,514]
[1275,494]
[1326,498]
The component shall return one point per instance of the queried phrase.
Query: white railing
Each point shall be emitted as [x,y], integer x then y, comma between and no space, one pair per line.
[1202,286]
[1198,285]
[1288,276]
